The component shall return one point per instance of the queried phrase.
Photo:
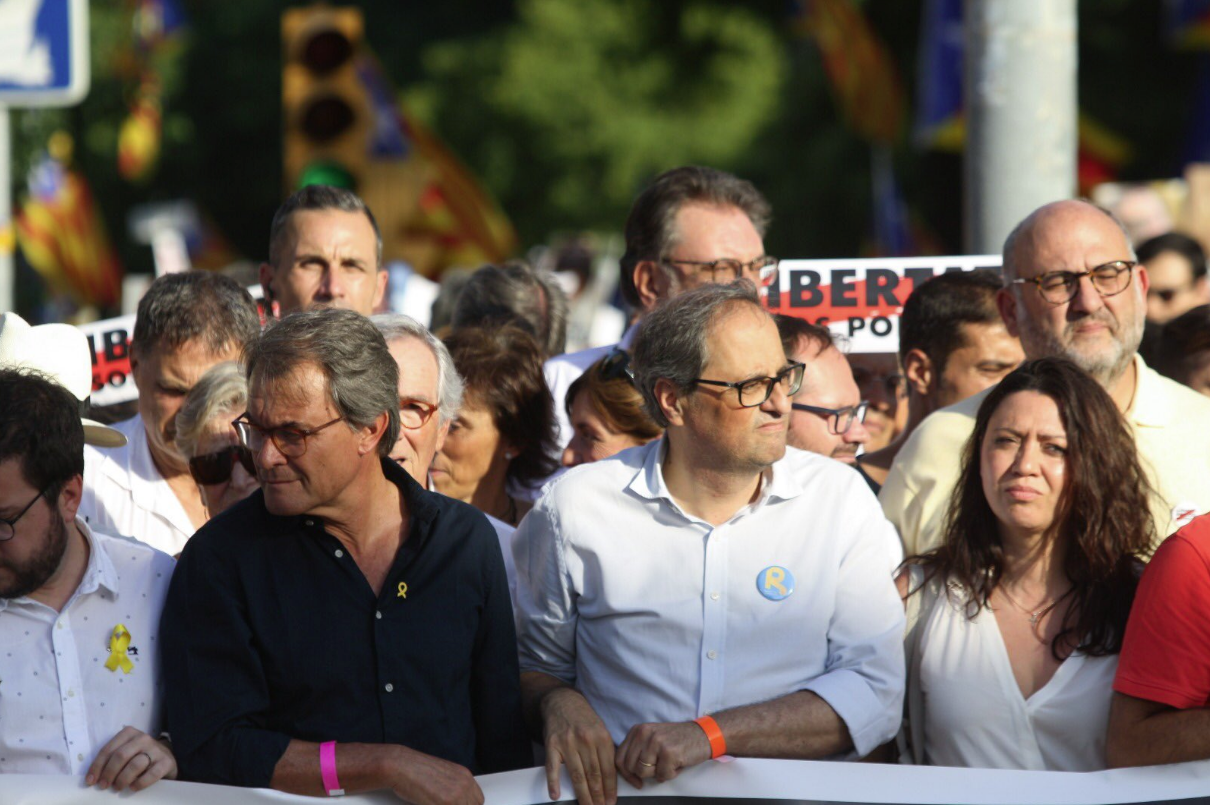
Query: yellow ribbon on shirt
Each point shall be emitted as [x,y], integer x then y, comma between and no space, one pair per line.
[118,643]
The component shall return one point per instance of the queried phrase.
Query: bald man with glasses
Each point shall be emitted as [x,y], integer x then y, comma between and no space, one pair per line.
[1073,289]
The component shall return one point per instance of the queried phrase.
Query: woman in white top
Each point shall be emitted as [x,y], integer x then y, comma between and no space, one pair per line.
[1015,622]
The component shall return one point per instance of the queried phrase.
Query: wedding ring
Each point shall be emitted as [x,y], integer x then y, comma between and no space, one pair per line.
[648,765]
[150,760]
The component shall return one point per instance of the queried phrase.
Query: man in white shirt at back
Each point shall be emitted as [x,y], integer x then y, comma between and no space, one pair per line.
[713,591]
[690,227]
[79,610]
[186,323]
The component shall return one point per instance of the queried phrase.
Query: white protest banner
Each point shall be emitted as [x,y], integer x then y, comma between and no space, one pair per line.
[109,343]
[744,779]
[861,299]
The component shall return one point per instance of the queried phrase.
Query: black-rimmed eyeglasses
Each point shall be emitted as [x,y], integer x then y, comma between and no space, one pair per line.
[1059,287]
[755,391]
[839,419]
[8,527]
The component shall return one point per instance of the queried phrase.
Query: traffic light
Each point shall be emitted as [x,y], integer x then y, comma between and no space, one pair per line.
[326,111]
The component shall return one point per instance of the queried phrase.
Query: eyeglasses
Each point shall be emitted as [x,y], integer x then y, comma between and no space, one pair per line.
[215,468]
[754,392]
[414,413]
[616,366]
[839,419]
[9,527]
[290,442]
[1058,287]
[728,270]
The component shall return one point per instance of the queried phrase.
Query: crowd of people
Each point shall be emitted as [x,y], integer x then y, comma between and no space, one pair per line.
[339,552]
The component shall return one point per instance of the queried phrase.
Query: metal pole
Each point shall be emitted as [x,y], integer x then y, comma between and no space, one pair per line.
[1020,101]
[8,235]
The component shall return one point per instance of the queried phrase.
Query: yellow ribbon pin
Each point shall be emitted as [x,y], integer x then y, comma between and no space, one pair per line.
[118,643]
[403,589]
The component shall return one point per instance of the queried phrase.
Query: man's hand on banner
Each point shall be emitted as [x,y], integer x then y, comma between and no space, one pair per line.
[133,759]
[576,737]
[661,751]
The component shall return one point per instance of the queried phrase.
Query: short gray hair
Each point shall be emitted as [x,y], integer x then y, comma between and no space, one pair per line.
[514,292]
[395,327]
[178,308]
[318,197]
[222,389]
[673,341]
[361,376]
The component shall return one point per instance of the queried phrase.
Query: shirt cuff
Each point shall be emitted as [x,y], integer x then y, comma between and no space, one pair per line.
[870,721]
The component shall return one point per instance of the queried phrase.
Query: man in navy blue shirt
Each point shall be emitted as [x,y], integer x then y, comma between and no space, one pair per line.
[342,629]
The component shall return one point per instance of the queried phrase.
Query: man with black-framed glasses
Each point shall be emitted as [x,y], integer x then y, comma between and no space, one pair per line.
[1073,289]
[711,592]
[827,412]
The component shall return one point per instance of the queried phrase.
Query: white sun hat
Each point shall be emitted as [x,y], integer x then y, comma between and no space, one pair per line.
[59,351]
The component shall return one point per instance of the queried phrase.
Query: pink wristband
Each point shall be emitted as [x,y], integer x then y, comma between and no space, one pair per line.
[327,769]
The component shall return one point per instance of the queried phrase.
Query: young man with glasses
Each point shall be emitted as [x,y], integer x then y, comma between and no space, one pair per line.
[827,412]
[710,592]
[1072,289]
[79,609]
[343,629]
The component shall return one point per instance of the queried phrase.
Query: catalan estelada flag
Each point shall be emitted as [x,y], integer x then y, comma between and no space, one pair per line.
[862,74]
[455,221]
[61,233]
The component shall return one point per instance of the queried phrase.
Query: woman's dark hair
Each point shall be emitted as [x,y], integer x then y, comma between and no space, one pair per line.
[502,367]
[1104,513]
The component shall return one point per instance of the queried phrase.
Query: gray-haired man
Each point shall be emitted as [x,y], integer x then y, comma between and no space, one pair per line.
[342,629]
[430,392]
[186,323]
[713,576]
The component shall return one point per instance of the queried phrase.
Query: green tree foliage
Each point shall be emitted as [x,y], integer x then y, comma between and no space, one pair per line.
[570,108]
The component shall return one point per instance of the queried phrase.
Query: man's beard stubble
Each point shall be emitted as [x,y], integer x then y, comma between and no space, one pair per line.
[1106,367]
[41,566]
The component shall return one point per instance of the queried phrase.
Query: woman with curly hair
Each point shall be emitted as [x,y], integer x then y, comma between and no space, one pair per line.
[1016,621]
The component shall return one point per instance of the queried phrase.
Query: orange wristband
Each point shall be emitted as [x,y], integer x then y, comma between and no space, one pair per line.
[718,744]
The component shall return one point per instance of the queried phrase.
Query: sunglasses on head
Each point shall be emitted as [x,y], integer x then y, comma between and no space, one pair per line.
[215,468]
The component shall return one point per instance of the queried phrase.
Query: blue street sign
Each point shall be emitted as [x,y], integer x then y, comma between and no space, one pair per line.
[43,52]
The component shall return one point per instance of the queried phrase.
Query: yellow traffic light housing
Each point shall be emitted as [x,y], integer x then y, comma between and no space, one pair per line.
[325,110]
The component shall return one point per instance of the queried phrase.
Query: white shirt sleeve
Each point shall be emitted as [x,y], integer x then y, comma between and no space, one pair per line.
[546,608]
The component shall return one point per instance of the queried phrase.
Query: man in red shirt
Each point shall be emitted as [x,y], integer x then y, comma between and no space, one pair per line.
[1161,704]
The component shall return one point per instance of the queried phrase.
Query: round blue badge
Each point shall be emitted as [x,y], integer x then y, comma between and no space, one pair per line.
[775,583]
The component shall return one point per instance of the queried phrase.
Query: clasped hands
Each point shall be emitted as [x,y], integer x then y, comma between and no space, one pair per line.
[576,737]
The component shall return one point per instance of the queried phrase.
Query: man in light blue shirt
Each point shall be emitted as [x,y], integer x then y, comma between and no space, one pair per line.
[712,592]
